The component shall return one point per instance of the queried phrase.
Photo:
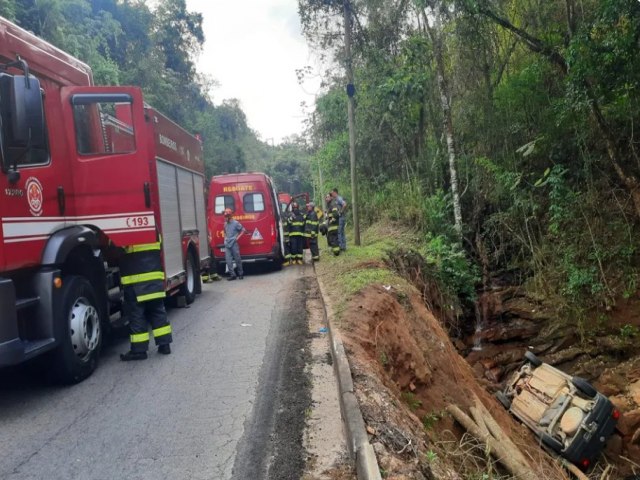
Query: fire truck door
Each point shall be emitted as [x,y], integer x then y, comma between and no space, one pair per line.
[33,206]
[110,170]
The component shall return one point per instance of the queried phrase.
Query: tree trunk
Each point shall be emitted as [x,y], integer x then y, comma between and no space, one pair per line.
[351,118]
[501,450]
[447,119]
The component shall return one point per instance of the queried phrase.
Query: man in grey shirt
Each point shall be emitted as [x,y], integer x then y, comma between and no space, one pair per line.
[233,230]
[342,208]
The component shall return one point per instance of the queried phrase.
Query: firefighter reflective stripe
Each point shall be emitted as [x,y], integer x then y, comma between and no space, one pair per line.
[160,332]
[142,277]
[146,247]
[151,296]
[332,228]
[311,226]
[297,228]
[139,337]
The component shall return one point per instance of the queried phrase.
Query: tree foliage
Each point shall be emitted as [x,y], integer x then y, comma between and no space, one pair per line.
[544,98]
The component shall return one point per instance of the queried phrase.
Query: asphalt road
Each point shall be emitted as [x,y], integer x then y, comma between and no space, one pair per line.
[229,403]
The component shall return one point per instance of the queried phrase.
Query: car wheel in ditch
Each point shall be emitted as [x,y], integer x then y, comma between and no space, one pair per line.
[551,443]
[504,400]
[532,359]
[584,387]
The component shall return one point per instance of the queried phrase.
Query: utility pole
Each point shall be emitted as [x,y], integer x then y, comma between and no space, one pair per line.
[321,193]
[351,90]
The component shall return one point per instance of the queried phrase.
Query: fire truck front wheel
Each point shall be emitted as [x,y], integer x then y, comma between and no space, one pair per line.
[81,331]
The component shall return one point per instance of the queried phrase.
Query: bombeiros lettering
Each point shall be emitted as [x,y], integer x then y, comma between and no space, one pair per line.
[167,142]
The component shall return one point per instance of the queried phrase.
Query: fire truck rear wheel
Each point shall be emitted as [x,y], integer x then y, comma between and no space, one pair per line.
[81,331]
[191,284]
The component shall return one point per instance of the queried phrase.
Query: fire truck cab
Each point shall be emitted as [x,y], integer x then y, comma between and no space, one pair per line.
[86,170]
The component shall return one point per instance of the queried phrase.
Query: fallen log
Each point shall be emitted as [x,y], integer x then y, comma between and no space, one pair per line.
[496,432]
[501,450]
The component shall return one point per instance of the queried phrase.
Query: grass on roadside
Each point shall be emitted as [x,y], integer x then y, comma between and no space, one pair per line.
[345,275]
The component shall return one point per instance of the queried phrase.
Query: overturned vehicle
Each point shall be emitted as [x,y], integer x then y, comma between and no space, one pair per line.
[567,414]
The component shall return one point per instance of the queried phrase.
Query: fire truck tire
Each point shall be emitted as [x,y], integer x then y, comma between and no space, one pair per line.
[81,331]
[192,282]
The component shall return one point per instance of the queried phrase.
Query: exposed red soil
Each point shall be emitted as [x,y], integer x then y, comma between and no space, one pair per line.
[393,337]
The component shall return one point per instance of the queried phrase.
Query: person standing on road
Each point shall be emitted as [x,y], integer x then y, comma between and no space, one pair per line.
[233,230]
[142,277]
[333,219]
[342,210]
[311,224]
[286,226]
[296,234]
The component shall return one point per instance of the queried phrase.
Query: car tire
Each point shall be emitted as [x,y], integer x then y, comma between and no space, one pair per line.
[584,387]
[532,359]
[504,400]
[551,443]
[81,331]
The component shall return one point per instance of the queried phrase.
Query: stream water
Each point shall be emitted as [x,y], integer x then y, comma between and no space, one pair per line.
[477,341]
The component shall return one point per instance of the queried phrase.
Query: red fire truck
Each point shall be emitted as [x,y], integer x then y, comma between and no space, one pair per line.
[85,170]
[252,198]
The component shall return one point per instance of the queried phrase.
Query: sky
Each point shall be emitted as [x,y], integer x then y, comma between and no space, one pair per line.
[253,49]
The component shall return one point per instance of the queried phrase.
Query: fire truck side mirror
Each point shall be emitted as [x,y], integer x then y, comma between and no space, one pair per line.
[25,106]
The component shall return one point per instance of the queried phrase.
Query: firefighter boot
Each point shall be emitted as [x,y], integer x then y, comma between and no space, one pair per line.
[164,349]
[127,357]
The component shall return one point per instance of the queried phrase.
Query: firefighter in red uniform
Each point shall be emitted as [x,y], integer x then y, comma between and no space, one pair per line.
[142,276]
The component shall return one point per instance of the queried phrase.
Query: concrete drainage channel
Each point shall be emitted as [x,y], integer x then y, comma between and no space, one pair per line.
[360,449]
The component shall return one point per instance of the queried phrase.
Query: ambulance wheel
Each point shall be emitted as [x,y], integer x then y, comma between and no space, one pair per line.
[192,283]
[81,331]
[221,268]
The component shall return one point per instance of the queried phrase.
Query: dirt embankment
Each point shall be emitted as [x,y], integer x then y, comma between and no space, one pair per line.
[407,371]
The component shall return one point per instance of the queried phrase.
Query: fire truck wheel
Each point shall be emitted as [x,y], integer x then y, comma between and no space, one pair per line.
[191,284]
[81,331]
